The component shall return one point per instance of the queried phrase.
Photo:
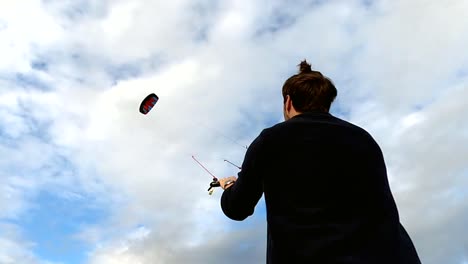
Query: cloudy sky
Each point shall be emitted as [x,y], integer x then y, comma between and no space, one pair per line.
[85,178]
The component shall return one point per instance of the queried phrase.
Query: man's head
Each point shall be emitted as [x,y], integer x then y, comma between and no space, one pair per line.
[307,91]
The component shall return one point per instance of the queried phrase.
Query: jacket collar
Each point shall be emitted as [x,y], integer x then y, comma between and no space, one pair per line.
[313,113]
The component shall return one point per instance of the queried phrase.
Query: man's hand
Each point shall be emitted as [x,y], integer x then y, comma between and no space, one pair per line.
[227,182]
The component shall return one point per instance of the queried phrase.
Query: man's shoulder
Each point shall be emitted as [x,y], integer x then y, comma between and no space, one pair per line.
[311,119]
[326,122]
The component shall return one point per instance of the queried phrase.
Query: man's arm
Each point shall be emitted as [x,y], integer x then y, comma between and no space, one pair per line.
[239,201]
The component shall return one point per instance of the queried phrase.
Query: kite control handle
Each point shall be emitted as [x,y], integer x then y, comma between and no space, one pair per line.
[213,184]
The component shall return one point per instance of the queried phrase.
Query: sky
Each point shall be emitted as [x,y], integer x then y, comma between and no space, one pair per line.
[86,179]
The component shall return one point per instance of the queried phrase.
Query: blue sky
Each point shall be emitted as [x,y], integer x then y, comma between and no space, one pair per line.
[86,179]
[53,222]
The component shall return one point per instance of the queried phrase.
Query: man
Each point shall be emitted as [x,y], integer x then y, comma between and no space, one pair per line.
[326,190]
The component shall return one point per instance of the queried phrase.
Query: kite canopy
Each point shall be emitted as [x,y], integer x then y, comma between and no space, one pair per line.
[148,103]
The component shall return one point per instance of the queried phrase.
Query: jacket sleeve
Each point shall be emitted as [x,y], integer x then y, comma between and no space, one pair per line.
[238,201]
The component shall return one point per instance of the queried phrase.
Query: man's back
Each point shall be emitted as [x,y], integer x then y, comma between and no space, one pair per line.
[326,193]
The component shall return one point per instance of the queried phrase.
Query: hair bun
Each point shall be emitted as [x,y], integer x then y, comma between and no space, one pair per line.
[305,67]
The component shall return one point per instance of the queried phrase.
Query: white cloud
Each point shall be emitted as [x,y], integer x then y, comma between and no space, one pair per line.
[26,27]
[15,249]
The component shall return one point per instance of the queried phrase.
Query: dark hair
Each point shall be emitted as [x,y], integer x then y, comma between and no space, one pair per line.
[309,90]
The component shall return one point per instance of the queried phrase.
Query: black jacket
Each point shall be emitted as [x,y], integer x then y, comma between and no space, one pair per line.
[326,191]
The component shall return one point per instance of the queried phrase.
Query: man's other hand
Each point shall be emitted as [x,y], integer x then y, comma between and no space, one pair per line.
[227,182]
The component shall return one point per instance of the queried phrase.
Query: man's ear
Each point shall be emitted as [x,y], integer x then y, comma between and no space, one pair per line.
[288,103]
